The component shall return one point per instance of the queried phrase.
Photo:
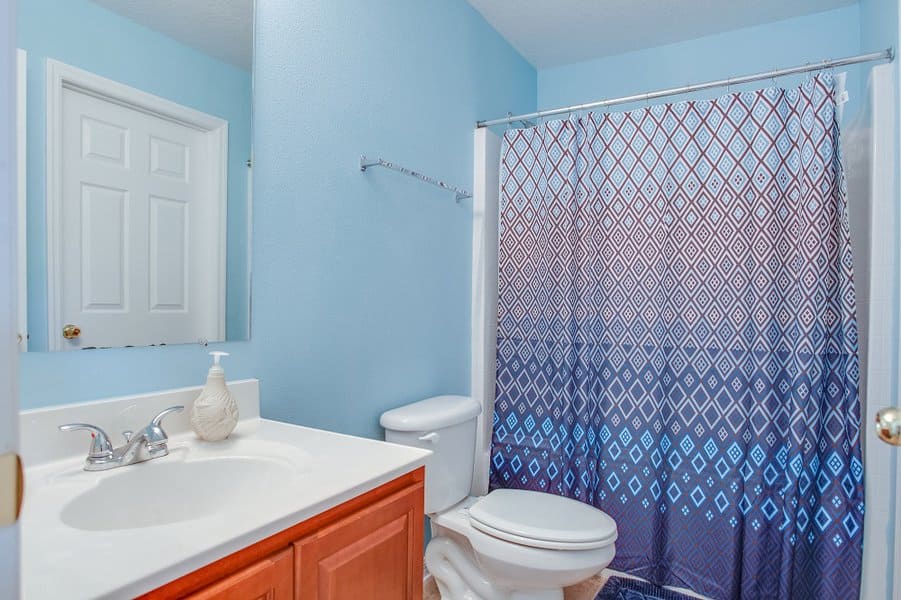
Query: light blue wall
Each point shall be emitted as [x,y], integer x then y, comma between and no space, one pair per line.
[362,281]
[879,23]
[361,292]
[785,43]
[82,34]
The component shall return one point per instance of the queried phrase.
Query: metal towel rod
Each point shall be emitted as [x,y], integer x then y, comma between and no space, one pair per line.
[365,163]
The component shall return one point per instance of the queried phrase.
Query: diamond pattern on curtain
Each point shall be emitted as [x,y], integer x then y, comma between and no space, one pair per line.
[677,342]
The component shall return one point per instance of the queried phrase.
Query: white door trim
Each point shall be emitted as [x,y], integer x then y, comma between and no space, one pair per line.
[61,76]
[895,184]
[9,352]
[21,191]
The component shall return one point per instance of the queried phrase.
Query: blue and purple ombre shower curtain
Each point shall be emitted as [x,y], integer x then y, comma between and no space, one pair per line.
[677,341]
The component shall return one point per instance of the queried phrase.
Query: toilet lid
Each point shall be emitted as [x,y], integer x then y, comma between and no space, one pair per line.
[542,520]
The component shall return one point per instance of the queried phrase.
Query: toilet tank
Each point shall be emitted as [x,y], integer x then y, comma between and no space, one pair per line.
[446,425]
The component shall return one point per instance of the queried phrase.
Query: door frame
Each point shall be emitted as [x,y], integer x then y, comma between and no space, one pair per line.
[21,193]
[60,77]
[10,478]
[895,184]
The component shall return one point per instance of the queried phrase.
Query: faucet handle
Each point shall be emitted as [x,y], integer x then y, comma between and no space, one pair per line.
[154,432]
[159,418]
[100,444]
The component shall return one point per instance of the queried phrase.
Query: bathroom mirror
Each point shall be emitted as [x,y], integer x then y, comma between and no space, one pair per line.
[134,123]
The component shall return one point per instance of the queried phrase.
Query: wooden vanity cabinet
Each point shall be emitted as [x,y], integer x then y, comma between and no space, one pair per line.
[368,547]
[268,579]
[366,555]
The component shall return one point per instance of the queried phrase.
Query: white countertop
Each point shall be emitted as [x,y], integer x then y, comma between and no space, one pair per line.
[60,561]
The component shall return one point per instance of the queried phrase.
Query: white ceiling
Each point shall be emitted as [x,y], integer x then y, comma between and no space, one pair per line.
[221,28]
[555,32]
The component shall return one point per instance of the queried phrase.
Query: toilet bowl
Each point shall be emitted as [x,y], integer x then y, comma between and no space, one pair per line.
[506,545]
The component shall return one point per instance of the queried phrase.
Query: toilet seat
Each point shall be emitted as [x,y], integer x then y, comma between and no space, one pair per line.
[540,520]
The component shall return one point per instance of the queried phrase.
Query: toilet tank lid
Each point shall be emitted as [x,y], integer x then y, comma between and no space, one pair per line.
[431,413]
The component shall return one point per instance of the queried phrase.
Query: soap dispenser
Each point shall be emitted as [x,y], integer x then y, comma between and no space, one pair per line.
[215,412]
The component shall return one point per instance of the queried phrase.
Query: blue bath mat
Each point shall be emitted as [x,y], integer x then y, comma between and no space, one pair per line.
[622,588]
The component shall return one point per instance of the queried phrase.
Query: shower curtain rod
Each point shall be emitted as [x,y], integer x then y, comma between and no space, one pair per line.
[887,54]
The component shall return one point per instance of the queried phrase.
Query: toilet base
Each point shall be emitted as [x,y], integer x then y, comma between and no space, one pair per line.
[459,578]
[469,564]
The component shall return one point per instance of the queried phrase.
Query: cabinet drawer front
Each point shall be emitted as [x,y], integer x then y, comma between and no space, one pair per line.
[269,579]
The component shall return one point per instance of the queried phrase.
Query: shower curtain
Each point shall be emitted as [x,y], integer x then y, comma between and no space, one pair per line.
[677,342]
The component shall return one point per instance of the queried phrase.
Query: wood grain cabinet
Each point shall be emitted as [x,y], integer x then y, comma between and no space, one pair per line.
[268,579]
[367,555]
[369,547]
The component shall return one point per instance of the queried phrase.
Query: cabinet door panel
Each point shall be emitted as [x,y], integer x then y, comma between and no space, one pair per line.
[269,579]
[374,567]
[374,554]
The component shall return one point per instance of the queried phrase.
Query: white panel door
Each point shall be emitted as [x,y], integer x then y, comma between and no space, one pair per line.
[139,227]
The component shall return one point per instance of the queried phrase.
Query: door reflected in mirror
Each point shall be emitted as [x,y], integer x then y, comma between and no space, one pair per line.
[134,124]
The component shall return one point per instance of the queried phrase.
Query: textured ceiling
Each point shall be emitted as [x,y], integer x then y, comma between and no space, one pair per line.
[221,28]
[555,32]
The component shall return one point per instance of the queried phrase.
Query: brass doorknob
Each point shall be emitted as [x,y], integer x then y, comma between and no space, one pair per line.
[70,332]
[888,425]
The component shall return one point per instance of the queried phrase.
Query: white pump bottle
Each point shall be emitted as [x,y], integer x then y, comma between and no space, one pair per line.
[215,412]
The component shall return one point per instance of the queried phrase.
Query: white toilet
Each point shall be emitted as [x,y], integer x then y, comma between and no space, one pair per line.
[508,545]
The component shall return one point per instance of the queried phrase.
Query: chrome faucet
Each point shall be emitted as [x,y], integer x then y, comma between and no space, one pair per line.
[151,442]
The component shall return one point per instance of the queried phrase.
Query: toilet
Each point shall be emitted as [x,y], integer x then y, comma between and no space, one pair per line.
[509,544]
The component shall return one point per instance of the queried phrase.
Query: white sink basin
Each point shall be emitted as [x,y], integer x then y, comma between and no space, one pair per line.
[121,533]
[161,492]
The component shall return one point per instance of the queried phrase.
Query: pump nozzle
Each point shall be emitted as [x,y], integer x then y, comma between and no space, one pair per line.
[215,369]
[216,356]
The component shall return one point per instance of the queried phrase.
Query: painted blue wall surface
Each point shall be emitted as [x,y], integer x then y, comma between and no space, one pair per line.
[362,281]
[82,34]
[879,23]
[787,43]
[361,292]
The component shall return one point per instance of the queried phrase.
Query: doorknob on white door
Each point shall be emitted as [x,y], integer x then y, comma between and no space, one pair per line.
[888,425]
[71,332]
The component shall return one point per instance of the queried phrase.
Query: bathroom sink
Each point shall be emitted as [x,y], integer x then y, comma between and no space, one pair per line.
[169,490]
[125,531]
